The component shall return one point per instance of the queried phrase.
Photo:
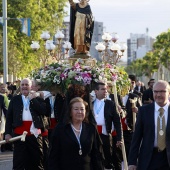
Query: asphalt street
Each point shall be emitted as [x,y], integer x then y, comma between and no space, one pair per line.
[6,160]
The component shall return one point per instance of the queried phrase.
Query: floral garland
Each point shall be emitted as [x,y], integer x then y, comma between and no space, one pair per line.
[61,76]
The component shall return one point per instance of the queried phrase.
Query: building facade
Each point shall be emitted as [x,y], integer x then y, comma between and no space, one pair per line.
[138,46]
[97,37]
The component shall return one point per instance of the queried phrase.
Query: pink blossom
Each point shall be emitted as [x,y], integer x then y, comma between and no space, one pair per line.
[114,77]
[108,66]
[63,76]
[77,65]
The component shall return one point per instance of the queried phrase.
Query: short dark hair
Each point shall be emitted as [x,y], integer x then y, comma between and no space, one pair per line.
[96,87]
[132,77]
[75,100]
[150,80]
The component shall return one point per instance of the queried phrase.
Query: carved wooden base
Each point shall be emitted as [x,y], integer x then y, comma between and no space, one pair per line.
[80,55]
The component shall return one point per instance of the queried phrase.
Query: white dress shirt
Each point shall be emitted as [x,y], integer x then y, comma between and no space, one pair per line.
[99,114]
[26,116]
[156,114]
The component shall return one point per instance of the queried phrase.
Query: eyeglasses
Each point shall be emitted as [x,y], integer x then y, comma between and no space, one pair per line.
[161,91]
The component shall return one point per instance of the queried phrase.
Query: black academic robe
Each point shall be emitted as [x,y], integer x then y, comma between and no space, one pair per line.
[64,149]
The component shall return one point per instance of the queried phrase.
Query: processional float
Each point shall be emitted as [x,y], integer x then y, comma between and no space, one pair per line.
[81,70]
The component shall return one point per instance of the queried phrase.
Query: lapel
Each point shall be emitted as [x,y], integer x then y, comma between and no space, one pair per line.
[168,136]
[128,104]
[20,101]
[152,118]
[84,133]
[105,107]
[83,136]
[92,105]
[70,133]
[168,122]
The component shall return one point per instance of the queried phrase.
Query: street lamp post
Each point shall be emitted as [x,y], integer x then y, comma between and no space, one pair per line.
[110,51]
[5,43]
[55,51]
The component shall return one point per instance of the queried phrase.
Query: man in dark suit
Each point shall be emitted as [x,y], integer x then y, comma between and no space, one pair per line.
[133,85]
[150,148]
[127,122]
[139,87]
[147,97]
[27,112]
[105,115]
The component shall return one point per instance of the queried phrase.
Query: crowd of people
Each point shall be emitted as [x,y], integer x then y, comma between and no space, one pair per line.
[83,130]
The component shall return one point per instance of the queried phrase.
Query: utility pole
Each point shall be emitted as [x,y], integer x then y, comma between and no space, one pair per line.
[5,42]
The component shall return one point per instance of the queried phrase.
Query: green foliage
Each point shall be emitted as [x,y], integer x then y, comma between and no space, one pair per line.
[146,66]
[44,15]
[162,48]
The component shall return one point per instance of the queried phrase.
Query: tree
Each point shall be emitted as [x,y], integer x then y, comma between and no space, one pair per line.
[146,66]
[44,15]
[162,48]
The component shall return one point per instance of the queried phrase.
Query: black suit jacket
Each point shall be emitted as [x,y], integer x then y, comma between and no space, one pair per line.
[111,116]
[64,149]
[144,136]
[147,94]
[14,115]
[142,89]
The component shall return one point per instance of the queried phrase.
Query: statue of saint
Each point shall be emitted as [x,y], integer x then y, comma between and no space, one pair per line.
[81,26]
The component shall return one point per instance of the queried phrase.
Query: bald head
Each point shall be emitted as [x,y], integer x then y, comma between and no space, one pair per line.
[25,86]
[161,90]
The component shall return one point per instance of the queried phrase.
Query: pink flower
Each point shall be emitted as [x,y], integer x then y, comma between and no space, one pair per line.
[114,77]
[108,66]
[77,66]
[86,75]
[63,76]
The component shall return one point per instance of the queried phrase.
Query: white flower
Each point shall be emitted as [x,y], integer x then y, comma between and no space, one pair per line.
[58,81]
[38,80]
[100,78]
[105,79]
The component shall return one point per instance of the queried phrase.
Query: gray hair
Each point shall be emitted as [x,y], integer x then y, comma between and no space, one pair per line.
[162,82]
[29,81]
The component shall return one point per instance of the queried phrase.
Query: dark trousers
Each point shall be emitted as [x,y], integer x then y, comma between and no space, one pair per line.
[159,161]
[28,155]
[127,140]
[116,155]
[107,149]
[45,151]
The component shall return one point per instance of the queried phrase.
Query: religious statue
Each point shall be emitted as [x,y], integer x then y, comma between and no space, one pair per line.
[81,26]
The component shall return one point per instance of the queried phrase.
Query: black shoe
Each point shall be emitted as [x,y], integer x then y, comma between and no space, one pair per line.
[3,148]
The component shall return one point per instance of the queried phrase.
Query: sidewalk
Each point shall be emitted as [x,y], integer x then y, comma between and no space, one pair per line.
[6,160]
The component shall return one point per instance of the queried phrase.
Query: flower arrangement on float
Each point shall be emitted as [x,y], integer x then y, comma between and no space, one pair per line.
[60,76]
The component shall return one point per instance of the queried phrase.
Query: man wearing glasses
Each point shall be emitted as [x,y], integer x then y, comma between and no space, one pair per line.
[150,148]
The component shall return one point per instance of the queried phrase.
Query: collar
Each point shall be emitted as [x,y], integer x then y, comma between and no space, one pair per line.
[24,97]
[157,107]
[97,100]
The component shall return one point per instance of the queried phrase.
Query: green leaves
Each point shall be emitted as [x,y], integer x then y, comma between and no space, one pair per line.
[41,13]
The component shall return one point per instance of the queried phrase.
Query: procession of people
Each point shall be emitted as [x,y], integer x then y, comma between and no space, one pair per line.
[86,128]
[94,129]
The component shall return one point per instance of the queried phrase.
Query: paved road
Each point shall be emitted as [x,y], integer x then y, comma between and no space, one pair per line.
[6,160]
